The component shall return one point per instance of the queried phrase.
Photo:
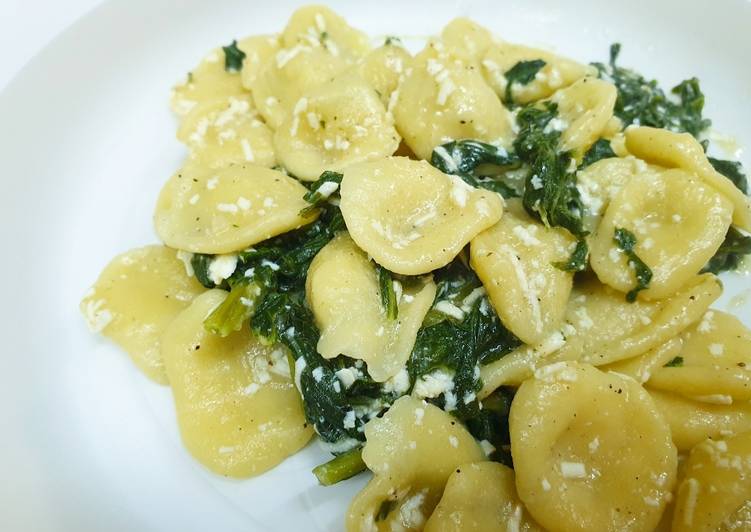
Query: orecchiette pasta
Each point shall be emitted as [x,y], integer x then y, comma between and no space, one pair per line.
[384,68]
[715,362]
[343,292]
[412,451]
[445,98]
[694,421]
[514,259]
[238,410]
[222,132]
[337,124]
[557,73]
[590,451]
[410,217]
[681,150]
[653,208]
[586,108]
[481,498]
[716,489]
[228,209]
[135,298]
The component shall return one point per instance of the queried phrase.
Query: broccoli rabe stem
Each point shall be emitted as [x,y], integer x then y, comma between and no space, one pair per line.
[341,467]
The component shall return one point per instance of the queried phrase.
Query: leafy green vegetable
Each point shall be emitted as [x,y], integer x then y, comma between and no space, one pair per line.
[386,507]
[321,190]
[201,263]
[468,159]
[460,346]
[550,192]
[386,288]
[677,362]
[577,262]
[235,310]
[490,423]
[392,40]
[521,73]
[341,467]
[233,57]
[732,250]
[598,151]
[643,102]
[626,241]
[732,170]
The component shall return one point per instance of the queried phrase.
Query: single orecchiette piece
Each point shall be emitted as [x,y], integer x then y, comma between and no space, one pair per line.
[716,488]
[600,182]
[557,73]
[585,108]
[221,132]
[481,498]
[514,260]
[590,451]
[445,98]
[693,421]
[208,82]
[337,124]
[409,216]
[412,450]
[714,362]
[136,296]
[467,38]
[319,26]
[259,50]
[224,210]
[238,410]
[681,150]
[384,68]
[679,223]
[289,74]
[343,291]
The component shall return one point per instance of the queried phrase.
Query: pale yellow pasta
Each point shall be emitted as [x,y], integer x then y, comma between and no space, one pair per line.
[601,181]
[715,492]
[335,125]
[135,298]
[557,73]
[679,223]
[641,368]
[409,216]
[207,82]
[445,98]
[289,74]
[481,498]
[221,132]
[220,211]
[585,110]
[514,260]
[343,293]
[319,26]
[601,328]
[412,450]
[238,410]
[693,421]
[590,450]
[715,363]
[384,68]
[681,150]
[259,50]
[465,37]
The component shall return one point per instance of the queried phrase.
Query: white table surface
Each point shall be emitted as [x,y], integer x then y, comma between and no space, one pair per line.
[27,26]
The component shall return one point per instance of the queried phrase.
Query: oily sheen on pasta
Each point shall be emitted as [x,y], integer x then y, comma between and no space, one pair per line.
[488,273]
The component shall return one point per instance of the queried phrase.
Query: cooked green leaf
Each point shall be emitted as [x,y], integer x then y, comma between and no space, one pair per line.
[626,241]
[732,250]
[676,362]
[233,57]
[732,170]
[598,151]
[386,289]
[522,73]
[235,310]
[577,262]
[321,190]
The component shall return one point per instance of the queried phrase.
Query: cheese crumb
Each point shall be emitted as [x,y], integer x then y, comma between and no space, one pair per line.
[573,470]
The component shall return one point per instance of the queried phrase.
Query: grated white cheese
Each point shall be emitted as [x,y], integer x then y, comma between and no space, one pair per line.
[573,470]
[716,350]
[349,420]
[410,512]
[690,506]
[453,441]
[419,415]
[448,308]
[222,267]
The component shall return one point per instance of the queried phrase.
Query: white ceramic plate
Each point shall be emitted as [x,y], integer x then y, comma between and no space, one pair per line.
[86,141]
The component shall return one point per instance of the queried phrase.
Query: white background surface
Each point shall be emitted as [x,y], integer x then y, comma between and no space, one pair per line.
[86,141]
[27,26]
